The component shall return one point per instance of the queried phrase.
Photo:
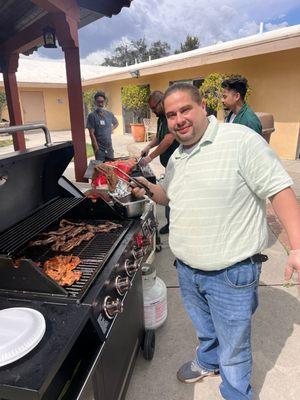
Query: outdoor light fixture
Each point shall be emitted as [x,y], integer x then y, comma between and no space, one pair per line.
[49,37]
[135,73]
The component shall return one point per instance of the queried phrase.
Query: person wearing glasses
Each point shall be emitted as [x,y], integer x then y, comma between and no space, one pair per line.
[164,142]
[100,124]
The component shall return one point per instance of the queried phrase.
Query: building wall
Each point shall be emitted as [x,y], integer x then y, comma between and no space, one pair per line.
[275,82]
[57,109]
[56,103]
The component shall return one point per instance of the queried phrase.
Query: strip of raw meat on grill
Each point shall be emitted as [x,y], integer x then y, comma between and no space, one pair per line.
[43,242]
[113,224]
[75,231]
[106,227]
[76,241]
[61,231]
[60,268]
[65,222]
[61,240]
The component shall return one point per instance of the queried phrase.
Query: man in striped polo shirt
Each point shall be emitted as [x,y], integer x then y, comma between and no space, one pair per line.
[216,185]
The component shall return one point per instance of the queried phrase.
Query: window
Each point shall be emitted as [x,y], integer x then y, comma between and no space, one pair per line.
[196,82]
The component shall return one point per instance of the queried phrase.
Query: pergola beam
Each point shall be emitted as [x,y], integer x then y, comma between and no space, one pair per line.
[68,7]
[26,39]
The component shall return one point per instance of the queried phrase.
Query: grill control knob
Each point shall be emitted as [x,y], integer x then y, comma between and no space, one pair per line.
[112,307]
[122,284]
[131,266]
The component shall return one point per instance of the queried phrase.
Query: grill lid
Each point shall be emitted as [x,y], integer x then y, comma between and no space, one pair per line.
[29,179]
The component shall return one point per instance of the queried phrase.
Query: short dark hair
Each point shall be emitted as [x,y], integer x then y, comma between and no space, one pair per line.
[237,83]
[99,94]
[184,87]
[156,96]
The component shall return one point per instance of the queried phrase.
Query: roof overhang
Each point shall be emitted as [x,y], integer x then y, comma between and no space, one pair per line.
[22,22]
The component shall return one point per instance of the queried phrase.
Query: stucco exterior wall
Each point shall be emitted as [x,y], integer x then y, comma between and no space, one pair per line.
[56,107]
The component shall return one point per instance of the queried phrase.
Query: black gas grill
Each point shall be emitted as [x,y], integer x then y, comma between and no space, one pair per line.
[93,327]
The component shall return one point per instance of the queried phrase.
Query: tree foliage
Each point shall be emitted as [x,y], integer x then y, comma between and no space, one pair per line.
[211,89]
[191,43]
[135,98]
[2,102]
[88,99]
[159,49]
[128,53]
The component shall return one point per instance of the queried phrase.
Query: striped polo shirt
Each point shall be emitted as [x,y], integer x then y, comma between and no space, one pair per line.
[218,196]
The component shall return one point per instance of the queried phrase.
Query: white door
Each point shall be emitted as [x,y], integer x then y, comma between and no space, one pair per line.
[33,107]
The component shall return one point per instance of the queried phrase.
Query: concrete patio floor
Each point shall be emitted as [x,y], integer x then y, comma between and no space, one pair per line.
[276,326]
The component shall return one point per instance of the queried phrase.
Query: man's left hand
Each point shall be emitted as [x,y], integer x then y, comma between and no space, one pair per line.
[293,264]
[145,160]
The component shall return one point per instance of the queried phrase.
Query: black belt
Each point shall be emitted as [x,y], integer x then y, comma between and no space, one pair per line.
[257,258]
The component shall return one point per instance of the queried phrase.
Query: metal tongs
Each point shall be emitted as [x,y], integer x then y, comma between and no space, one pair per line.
[133,180]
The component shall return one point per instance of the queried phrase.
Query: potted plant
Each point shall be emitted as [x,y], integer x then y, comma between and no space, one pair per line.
[135,98]
[2,103]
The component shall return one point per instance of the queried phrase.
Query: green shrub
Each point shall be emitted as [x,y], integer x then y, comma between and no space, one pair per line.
[88,99]
[135,98]
[2,102]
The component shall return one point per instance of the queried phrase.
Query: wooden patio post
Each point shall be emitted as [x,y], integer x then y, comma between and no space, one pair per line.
[67,34]
[9,69]
[76,111]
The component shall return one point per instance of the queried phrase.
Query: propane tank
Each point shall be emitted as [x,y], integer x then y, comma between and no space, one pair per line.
[155,298]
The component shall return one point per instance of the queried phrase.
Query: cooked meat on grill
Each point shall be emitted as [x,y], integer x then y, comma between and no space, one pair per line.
[60,269]
[107,227]
[76,230]
[76,241]
[65,222]
[60,242]
[44,242]
[69,236]
[110,175]
[61,231]
[113,225]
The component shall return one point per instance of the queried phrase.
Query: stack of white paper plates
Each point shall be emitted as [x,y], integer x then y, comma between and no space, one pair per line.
[21,329]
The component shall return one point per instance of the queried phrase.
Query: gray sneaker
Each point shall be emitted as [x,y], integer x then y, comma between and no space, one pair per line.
[190,372]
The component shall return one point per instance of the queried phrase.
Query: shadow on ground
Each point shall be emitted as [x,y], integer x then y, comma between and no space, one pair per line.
[276,365]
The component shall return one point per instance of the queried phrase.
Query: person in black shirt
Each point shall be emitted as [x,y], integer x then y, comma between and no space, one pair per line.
[100,124]
[164,142]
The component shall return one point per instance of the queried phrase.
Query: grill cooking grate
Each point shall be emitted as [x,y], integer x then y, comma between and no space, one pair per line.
[21,233]
[93,254]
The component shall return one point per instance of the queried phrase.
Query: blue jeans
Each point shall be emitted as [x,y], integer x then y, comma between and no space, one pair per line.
[220,305]
[104,154]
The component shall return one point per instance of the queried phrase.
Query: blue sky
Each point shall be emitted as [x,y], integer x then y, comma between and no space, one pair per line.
[171,21]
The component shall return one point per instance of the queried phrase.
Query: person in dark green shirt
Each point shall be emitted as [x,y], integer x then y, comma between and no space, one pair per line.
[233,98]
[164,142]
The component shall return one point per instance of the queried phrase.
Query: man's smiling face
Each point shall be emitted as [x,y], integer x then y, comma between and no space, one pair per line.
[186,118]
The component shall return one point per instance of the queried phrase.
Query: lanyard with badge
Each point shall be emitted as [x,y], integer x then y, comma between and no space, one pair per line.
[101,118]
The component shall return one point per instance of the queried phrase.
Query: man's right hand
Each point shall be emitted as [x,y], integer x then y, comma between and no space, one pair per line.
[139,192]
[145,151]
